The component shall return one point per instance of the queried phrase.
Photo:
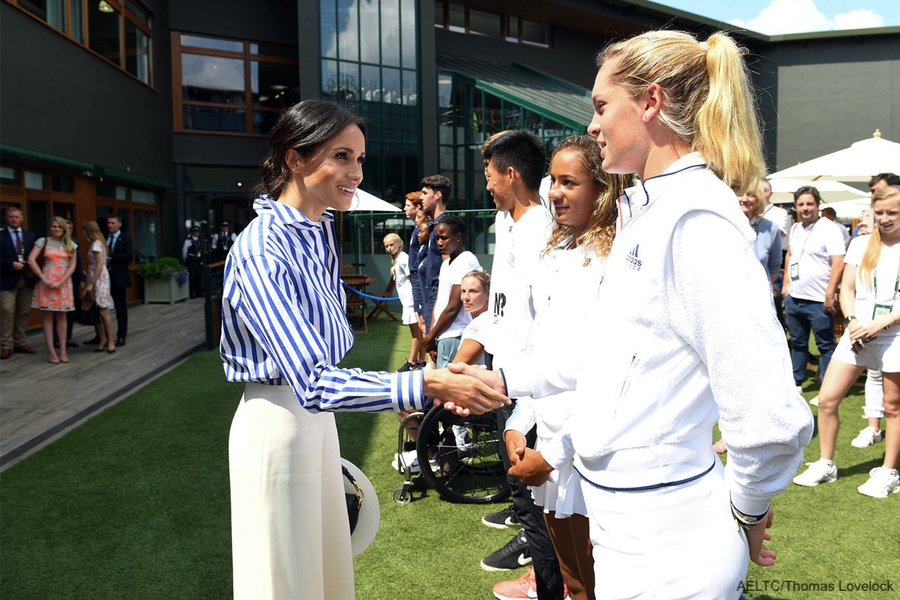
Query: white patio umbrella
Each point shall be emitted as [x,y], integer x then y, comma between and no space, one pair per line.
[364,201]
[857,163]
[848,209]
[831,191]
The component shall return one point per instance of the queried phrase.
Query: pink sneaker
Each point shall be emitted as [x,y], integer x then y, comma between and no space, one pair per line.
[523,588]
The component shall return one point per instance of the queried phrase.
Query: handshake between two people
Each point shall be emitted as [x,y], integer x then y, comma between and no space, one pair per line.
[466,389]
[473,390]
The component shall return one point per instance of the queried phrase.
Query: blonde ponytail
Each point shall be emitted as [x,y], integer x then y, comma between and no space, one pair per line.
[728,132]
[707,96]
[871,257]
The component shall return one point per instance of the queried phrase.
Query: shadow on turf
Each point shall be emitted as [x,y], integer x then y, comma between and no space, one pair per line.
[857,469]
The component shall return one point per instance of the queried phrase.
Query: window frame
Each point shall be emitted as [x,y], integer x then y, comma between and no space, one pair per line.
[124,14]
[442,21]
[247,56]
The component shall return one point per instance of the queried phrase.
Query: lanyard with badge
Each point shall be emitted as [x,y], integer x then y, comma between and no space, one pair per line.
[884,308]
[794,268]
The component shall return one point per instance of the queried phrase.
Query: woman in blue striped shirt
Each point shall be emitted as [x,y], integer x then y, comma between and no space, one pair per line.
[283,330]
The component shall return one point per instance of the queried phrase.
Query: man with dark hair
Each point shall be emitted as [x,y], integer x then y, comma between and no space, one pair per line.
[121,255]
[192,257]
[514,163]
[883,179]
[813,268]
[434,197]
[222,241]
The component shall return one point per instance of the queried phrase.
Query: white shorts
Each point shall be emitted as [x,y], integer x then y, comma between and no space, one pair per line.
[409,315]
[673,542]
[881,354]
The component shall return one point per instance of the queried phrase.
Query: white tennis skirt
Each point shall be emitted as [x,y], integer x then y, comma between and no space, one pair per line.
[409,316]
[290,532]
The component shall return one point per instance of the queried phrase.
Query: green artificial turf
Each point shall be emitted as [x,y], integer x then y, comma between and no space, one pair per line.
[134,504]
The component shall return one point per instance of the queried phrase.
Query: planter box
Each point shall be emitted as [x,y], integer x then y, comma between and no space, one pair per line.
[164,291]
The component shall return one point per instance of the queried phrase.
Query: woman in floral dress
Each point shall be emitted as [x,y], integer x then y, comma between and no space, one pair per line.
[96,285]
[53,293]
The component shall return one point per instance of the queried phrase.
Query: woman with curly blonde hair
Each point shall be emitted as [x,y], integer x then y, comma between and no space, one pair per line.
[564,291]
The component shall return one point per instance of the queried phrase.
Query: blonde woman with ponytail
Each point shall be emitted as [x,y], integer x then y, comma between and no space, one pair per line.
[684,334]
[870,289]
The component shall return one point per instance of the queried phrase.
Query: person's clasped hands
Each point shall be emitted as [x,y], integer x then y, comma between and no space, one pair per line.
[528,465]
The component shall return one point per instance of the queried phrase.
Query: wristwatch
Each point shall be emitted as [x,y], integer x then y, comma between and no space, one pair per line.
[848,319]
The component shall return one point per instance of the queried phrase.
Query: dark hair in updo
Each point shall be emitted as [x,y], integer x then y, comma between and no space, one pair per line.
[303,127]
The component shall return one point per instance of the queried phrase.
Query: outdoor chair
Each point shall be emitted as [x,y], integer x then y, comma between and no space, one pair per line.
[381,305]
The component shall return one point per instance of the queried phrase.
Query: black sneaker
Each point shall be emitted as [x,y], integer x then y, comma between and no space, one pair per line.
[407,367]
[514,555]
[503,519]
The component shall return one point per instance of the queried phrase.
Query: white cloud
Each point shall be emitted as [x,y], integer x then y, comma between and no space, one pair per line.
[788,16]
[798,16]
[858,19]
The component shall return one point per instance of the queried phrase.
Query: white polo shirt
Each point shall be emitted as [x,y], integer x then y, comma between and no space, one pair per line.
[811,251]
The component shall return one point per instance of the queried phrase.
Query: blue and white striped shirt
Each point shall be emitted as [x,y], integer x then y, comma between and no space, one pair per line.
[284,317]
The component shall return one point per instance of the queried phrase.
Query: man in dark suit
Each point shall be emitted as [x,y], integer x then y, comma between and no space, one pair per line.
[16,283]
[121,254]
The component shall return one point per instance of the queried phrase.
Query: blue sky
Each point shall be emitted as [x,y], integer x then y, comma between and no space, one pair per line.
[795,16]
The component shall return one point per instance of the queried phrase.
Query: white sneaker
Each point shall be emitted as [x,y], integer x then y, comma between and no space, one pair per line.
[821,471]
[867,437]
[409,459]
[814,401]
[882,483]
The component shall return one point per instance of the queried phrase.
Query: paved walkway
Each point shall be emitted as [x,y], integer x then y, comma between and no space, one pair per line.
[39,401]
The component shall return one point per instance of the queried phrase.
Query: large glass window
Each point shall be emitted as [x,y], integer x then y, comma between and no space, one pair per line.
[369,62]
[232,86]
[119,31]
[468,117]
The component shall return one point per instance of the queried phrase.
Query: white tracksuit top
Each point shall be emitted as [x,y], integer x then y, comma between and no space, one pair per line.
[685,335]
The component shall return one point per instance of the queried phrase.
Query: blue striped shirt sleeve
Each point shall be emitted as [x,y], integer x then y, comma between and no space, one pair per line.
[283,322]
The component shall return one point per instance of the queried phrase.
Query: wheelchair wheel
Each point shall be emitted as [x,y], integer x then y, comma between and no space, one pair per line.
[460,457]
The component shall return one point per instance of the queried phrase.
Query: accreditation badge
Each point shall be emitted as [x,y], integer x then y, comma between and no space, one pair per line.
[794,271]
[881,310]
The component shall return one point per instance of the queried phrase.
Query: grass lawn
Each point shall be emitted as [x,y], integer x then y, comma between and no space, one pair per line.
[134,504]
